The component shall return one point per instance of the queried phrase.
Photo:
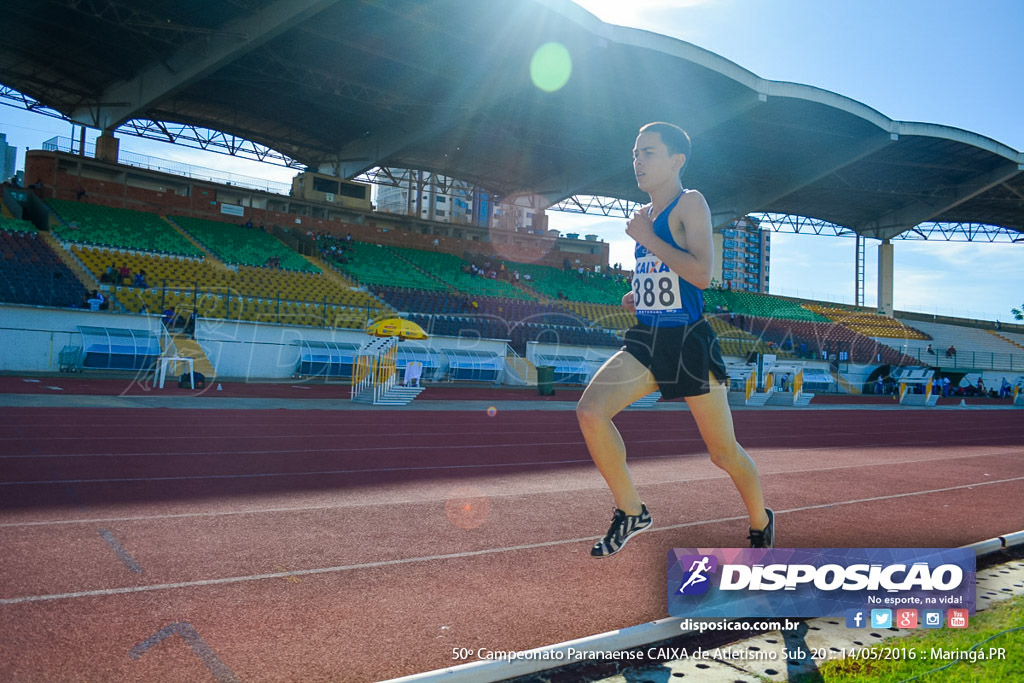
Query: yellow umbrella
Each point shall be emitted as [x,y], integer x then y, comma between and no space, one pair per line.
[396,327]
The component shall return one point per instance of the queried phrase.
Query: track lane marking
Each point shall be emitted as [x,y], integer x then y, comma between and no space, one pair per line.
[543,463]
[453,556]
[574,442]
[312,508]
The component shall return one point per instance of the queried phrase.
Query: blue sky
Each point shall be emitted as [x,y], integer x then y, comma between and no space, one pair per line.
[952,63]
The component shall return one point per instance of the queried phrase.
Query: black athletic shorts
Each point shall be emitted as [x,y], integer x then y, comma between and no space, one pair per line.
[680,358]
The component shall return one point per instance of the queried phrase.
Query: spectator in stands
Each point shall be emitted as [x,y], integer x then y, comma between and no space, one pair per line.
[946,387]
[124,275]
[980,387]
[951,351]
[96,301]
[930,350]
[348,237]
[110,275]
[79,194]
[140,279]
[1004,389]
[169,318]
[437,243]
[673,350]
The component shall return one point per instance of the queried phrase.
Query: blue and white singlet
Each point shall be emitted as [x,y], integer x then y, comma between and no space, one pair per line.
[662,298]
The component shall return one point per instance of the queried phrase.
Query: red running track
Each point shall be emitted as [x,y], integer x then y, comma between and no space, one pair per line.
[153,544]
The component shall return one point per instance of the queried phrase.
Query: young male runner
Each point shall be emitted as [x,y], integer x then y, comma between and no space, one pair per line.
[672,348]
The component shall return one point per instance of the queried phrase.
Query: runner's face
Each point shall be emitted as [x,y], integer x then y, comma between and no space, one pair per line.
[652,164]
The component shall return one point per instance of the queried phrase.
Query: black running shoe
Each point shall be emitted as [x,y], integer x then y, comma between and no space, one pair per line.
[764,538]
[623,527]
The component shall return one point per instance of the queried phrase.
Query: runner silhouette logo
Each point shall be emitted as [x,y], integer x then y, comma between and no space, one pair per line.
[696,580]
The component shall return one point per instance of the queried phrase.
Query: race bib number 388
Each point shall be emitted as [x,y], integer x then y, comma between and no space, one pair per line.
[655,287]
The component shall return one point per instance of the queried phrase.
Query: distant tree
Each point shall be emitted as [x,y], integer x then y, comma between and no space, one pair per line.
[1018,313]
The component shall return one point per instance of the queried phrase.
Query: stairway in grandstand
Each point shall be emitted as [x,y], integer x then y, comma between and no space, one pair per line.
[785,398]
[976,349]
[759,398]
[1007,339]
[208,255]
[186,347]
[732,341]
[846,385]
[647,401]
[395,396]
[523,369]
[332,274]
[71,261]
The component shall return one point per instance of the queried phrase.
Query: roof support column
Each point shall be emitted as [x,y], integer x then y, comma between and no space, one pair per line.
[107,146]
[885,278]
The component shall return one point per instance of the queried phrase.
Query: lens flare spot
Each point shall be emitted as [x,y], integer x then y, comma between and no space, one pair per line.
[492,411]
[550,67]
[467,507]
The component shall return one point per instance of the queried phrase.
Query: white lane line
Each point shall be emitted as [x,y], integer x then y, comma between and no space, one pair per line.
[574,442]
[453,556]
[813,430]
[46,482]
[316,508]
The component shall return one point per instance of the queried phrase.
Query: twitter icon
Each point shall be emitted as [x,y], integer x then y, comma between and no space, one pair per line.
[881,618]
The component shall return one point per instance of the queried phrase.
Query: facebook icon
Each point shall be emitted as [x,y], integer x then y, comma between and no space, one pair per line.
[856,618]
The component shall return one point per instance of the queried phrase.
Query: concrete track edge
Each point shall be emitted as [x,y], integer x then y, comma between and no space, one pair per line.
[553,656]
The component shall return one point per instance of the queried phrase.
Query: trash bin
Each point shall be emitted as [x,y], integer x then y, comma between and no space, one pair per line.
[545,380]
[185,383]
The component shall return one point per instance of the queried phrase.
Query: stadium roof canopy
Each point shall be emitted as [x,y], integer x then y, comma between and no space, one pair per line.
[445,86]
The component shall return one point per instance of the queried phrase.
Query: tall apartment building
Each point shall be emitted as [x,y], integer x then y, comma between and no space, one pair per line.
[446,200]
[430,196]
[8,158]
[742,256]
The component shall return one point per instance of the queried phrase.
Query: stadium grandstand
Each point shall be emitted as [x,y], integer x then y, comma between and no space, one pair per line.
[235,263]
[346,275]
